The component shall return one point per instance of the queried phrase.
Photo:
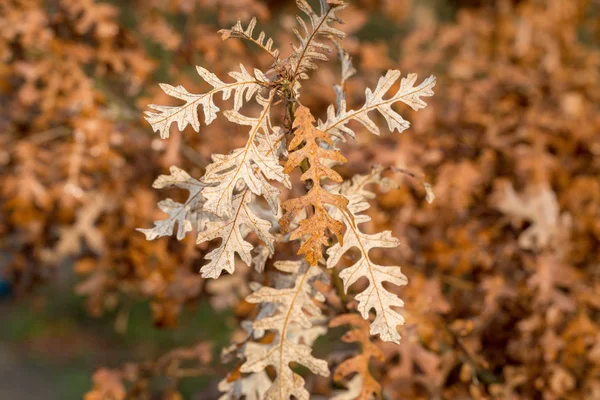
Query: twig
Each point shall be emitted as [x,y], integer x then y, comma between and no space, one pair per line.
[429,195]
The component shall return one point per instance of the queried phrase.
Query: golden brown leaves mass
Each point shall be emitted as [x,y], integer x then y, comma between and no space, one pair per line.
[309,153]
[135,381]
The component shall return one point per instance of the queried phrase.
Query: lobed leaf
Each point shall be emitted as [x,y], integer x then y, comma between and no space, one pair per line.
[337,120]
[185,215]
[232,236]
[237,31]
[307,142]
[252,165]
[244,88]
[292,322]
[359,364]
[310,49]
[375,296]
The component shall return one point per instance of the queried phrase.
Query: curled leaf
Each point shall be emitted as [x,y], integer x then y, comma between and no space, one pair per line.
[237,31]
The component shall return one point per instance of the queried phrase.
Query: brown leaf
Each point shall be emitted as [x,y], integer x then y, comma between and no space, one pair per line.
[307,142]
[360,363]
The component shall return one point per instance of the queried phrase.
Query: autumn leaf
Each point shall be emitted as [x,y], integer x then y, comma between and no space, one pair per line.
[538,206]
[359,364]
[69,243]
[310,49]
[306,146]
[375,296]
[237,31]
[251,387]
[186,215]
[295,310]
[408,93]
[232,232]
[243,89]
[253,165]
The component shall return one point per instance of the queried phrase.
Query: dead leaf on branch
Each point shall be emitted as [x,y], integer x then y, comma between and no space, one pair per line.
[337,120]
[307,146]
[232,235]
[292,320]
[376,296]
[237,31]
[187,216]
[252,165]
[310,49]
[243,89]
[359,364]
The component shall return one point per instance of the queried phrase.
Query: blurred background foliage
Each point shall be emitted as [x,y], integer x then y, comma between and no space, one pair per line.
[504,267]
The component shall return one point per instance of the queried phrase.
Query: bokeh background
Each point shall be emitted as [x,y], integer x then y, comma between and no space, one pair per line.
[503,300]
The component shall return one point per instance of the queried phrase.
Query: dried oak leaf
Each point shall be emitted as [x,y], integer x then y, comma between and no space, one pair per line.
[308,143]
[359,364]
[408,93]
[375,296]
[251,165]
[232,233]
[237,31]
[85,228]
[244,88]
[292,320]
[310,49]
[540,207]
[185,215]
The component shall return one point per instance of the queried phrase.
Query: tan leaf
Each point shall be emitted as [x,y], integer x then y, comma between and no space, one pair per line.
[84,228]
[376,296]
[310,48]
[337,120]
[244,88]
[540,207]
[251,387]
[232,234]
[186,215]
[237,31]
[292,322]
[253,165]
